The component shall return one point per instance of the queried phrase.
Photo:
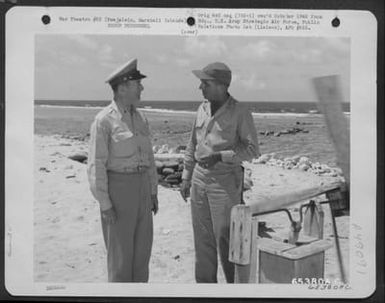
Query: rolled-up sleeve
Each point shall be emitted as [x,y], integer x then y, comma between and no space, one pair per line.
[189,159]
[247,146]
[97,164]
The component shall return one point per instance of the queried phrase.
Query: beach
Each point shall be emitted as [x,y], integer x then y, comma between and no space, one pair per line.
[68,243]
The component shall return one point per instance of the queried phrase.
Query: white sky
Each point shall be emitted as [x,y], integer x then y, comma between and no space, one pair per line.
[74,67]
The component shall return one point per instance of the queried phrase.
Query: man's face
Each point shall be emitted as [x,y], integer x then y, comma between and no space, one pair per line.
[211,89]
[131,91]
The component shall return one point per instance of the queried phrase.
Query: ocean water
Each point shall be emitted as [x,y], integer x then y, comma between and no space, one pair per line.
[255,107]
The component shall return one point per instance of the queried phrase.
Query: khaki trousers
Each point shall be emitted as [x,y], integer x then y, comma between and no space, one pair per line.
[213,194]
[129,240]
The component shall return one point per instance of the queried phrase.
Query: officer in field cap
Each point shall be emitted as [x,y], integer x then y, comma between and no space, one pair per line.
[123,179]
[223,136]
[215,71]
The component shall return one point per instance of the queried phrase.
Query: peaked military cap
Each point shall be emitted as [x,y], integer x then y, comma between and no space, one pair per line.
[127,71]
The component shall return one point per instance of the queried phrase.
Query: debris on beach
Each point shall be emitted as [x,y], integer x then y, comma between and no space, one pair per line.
[80,157]
[165,149]
[299,162]
[170,168]
[44,169]
[247,181]
[166,231]
[181,149]
[56,154]
[170,173]
[169,165]
[288,131]
[70,265]
[162,149]
[76,137]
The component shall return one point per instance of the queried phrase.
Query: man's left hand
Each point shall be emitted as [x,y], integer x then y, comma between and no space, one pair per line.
[154,203]
[210,160]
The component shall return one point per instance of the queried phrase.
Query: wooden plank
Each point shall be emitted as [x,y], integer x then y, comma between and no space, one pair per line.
[248,273]
[304,251]
[254,257]
[240,235]
[304,239]
[273,247]
[240,242]
[330,97]
[268,203]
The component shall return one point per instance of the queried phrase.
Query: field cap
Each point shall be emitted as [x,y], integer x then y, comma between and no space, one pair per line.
[127,71]
[215,71]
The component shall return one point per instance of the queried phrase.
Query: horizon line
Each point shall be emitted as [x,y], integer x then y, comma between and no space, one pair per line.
[108,100]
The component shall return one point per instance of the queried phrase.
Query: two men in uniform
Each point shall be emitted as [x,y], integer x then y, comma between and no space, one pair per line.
[123,177]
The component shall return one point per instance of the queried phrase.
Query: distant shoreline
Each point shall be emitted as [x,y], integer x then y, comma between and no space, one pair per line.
[276,108]
[172,111]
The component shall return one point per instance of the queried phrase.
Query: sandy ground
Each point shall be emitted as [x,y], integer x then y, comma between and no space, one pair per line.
[68,243]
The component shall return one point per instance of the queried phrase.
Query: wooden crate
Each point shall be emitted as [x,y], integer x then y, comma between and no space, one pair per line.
[281,262]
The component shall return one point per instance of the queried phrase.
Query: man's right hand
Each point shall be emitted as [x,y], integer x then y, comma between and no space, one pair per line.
[185,189]
[109,216]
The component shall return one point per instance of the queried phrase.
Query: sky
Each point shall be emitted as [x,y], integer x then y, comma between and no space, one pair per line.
[74,67]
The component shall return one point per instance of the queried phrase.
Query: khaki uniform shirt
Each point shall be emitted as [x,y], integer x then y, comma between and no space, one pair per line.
[120,142]
[230,131]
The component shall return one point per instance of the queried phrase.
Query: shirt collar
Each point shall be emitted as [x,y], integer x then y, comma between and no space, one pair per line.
[119,109]
[116,109]
[228,103]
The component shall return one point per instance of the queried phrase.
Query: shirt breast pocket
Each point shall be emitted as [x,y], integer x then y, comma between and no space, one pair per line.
[226,130]
[123,143]
[145,140]
[200,128]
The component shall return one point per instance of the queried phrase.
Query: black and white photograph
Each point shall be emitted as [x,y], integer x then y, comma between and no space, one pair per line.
[225,152]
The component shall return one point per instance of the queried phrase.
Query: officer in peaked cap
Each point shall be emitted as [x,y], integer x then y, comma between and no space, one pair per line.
[222,137]
[127,71]
[123,179]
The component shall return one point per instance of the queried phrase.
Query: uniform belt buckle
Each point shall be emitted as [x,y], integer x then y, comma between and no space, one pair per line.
[140,168]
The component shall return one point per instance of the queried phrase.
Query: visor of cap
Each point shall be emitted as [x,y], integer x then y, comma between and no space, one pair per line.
[127,71]
[127,77]
[202,75]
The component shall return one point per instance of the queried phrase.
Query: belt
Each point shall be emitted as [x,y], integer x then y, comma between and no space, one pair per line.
[132,170]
